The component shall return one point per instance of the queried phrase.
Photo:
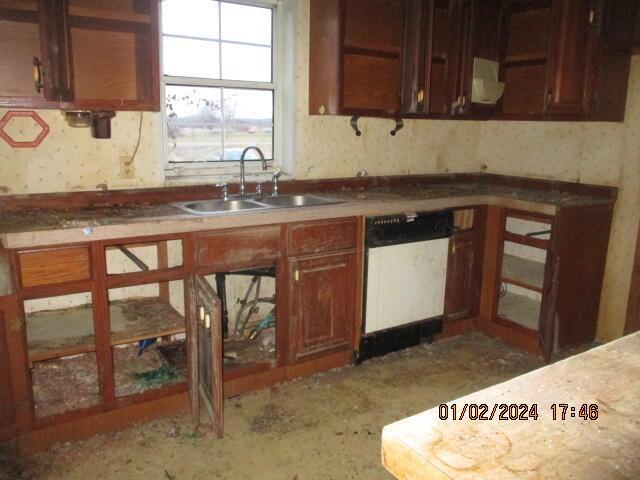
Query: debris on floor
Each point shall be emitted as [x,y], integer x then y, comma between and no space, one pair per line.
[317,427]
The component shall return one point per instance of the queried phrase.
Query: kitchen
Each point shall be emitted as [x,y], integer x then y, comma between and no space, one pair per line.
[569,172]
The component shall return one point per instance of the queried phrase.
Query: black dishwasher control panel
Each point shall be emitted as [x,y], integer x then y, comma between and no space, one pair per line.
[408,227]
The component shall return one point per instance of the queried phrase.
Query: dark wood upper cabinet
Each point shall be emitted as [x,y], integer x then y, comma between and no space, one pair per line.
[573,57]
[20,55]
[355,57]
[557,63]
[559,59]
[621,25]
[525,37]
[428,56]
[80,54]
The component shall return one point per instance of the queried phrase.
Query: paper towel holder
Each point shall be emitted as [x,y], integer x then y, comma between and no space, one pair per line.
[486,88]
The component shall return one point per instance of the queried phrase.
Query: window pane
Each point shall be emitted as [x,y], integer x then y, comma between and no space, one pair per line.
[191,58]
[242,23]
[193,18]
[194,129]
[243,62]
[248,121]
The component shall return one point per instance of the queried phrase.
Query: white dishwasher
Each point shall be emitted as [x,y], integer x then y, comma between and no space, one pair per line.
[406,271]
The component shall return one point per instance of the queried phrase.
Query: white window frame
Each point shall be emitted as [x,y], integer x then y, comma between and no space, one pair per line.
[225,171]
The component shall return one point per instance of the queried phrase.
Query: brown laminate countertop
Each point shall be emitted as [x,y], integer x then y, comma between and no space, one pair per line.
[40,227]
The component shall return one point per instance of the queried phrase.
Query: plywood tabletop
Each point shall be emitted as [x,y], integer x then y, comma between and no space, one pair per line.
[425,447]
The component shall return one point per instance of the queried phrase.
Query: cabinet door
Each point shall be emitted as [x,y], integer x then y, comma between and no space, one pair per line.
[462,57]
[322,303]
[463,276]
[205,342]
[428,56]
[572,64]
[548,327]
[14,404]
[21,57]
[56,71]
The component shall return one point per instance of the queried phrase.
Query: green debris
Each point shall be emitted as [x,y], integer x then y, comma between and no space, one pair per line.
[159,376]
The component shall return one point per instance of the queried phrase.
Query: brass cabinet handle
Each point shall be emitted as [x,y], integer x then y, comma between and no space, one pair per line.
[37,74]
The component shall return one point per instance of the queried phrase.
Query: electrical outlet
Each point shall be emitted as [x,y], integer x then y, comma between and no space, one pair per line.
[127,168]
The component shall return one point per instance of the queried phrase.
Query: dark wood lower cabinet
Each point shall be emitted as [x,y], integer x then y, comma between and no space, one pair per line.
[463,277]
[464,268]
[13,402]
[322,297]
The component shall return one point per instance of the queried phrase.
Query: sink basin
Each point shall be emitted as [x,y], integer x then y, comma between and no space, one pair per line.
[219,206]
[211,207]
[297,201]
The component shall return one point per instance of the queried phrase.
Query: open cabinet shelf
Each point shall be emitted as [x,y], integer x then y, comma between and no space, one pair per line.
[523,272]
[523,311]
[141,318]
[131,320]
[60,333]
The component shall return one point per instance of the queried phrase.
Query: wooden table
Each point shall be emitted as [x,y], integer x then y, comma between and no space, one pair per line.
[425,447]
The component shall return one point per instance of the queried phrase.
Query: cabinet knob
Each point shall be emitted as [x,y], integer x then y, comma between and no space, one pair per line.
[297,275]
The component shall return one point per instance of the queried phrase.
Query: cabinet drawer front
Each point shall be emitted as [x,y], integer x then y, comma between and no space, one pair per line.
[238,248]
[60,265]
[328,236]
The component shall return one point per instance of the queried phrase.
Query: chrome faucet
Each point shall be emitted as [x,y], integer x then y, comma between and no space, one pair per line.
[244,152]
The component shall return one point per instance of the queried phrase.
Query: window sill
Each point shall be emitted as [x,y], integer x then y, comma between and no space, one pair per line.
[200,177]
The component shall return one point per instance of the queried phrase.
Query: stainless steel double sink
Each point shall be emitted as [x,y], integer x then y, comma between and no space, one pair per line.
[212,207]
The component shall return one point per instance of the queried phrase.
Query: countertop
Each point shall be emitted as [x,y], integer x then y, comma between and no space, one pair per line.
[39,227]
[427,448]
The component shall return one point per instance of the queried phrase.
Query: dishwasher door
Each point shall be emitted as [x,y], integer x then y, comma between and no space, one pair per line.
[405,283]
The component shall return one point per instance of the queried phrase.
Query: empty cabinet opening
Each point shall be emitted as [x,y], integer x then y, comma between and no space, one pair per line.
[61,349]
[111,66]
[248,300]
[143,257]
[522,273]
[532,229]
[148,336]
[524,56]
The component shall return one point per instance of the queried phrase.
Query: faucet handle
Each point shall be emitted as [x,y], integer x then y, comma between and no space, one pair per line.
[258,187]
[274,178]
[225,190]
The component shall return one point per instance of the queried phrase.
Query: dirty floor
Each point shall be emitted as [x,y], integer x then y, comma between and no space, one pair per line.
[322,427]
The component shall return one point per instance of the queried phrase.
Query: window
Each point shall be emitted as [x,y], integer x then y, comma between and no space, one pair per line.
[219,83]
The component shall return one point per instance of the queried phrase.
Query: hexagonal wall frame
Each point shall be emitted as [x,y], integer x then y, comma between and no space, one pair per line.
[11,114]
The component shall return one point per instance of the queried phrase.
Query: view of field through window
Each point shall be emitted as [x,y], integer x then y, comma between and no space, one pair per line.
[219,91]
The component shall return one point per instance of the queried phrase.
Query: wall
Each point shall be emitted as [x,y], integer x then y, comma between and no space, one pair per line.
[602,153]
